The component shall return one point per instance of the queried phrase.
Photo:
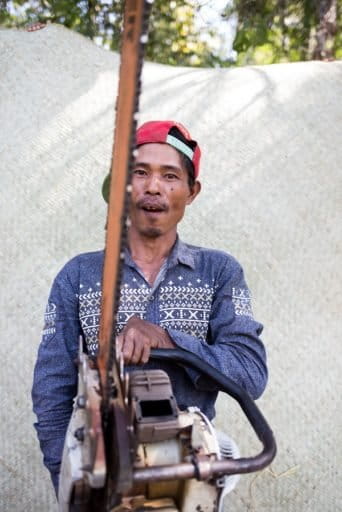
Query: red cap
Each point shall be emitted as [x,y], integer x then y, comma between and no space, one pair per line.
[159,131]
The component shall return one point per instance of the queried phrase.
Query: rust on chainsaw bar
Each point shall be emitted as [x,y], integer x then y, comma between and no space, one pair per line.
[127,104]
[114,414]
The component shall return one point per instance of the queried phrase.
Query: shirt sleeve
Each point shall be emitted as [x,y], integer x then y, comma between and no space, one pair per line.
[233,345]
[55,373]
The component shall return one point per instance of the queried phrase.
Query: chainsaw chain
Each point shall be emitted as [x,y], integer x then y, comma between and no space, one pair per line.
[111,390]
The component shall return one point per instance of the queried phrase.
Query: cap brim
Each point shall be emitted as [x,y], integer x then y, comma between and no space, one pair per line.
[105,188]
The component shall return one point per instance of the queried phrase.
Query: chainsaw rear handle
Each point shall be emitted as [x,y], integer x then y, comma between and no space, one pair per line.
[253,414]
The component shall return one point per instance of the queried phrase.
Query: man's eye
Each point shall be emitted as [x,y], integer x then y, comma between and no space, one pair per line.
[139,172]
[171,176]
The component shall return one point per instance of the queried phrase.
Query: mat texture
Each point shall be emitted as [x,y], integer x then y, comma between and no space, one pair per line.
[272,196]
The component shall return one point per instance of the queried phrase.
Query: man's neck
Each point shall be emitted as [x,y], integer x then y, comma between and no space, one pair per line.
[150,250]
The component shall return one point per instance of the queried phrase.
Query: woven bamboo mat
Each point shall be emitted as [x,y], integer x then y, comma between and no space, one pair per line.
[272,196]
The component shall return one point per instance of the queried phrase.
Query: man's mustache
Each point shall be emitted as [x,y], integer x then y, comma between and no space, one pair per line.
[152,203]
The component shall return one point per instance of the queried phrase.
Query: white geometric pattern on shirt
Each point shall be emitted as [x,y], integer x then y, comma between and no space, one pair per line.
[133,301]
[241,298]
[89,315]
[49,320]
[184,308]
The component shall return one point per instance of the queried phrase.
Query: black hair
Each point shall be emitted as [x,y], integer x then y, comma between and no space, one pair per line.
[189,167]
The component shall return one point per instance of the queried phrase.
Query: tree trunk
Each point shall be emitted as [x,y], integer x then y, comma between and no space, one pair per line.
[91,18]
[326,30]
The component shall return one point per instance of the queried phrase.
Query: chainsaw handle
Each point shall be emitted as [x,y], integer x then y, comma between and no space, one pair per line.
[228,386]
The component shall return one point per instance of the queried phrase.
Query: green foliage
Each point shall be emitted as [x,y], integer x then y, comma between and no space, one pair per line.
[268,31]
[172,35]
[338,36]
[284,30]
[86,17]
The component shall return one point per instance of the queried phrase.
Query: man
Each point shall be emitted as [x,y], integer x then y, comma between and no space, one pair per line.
[172,295]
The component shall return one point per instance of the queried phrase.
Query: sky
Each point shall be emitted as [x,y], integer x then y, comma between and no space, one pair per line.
[209,16]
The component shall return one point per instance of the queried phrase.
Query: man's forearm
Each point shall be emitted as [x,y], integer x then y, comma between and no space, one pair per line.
[52,449]
[235,359]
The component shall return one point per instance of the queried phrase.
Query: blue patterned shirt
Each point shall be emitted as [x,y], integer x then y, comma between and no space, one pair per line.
[199,296]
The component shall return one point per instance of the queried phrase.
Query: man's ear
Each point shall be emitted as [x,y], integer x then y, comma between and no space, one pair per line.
[194,191]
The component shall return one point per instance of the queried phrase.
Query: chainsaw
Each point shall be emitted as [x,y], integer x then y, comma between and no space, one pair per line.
[128,446]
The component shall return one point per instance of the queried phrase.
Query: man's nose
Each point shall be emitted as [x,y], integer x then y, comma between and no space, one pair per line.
[153,184]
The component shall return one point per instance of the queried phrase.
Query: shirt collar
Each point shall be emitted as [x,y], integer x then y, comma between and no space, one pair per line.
[180,253]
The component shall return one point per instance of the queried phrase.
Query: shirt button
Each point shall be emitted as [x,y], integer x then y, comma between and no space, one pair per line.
[151,297]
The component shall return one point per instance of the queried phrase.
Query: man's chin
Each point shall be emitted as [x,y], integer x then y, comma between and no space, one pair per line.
[152,232]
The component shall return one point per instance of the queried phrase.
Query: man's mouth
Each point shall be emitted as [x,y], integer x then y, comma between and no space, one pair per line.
[152,206]
[152,209]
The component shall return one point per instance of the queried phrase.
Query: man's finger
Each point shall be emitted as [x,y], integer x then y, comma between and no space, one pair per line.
[137,352]
[145,356]
[119,343]
[141,344]
[127,348]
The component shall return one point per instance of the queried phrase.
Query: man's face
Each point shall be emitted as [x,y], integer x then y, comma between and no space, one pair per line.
[160,190]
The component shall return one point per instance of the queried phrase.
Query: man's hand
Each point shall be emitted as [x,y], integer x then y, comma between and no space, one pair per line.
[138,337]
